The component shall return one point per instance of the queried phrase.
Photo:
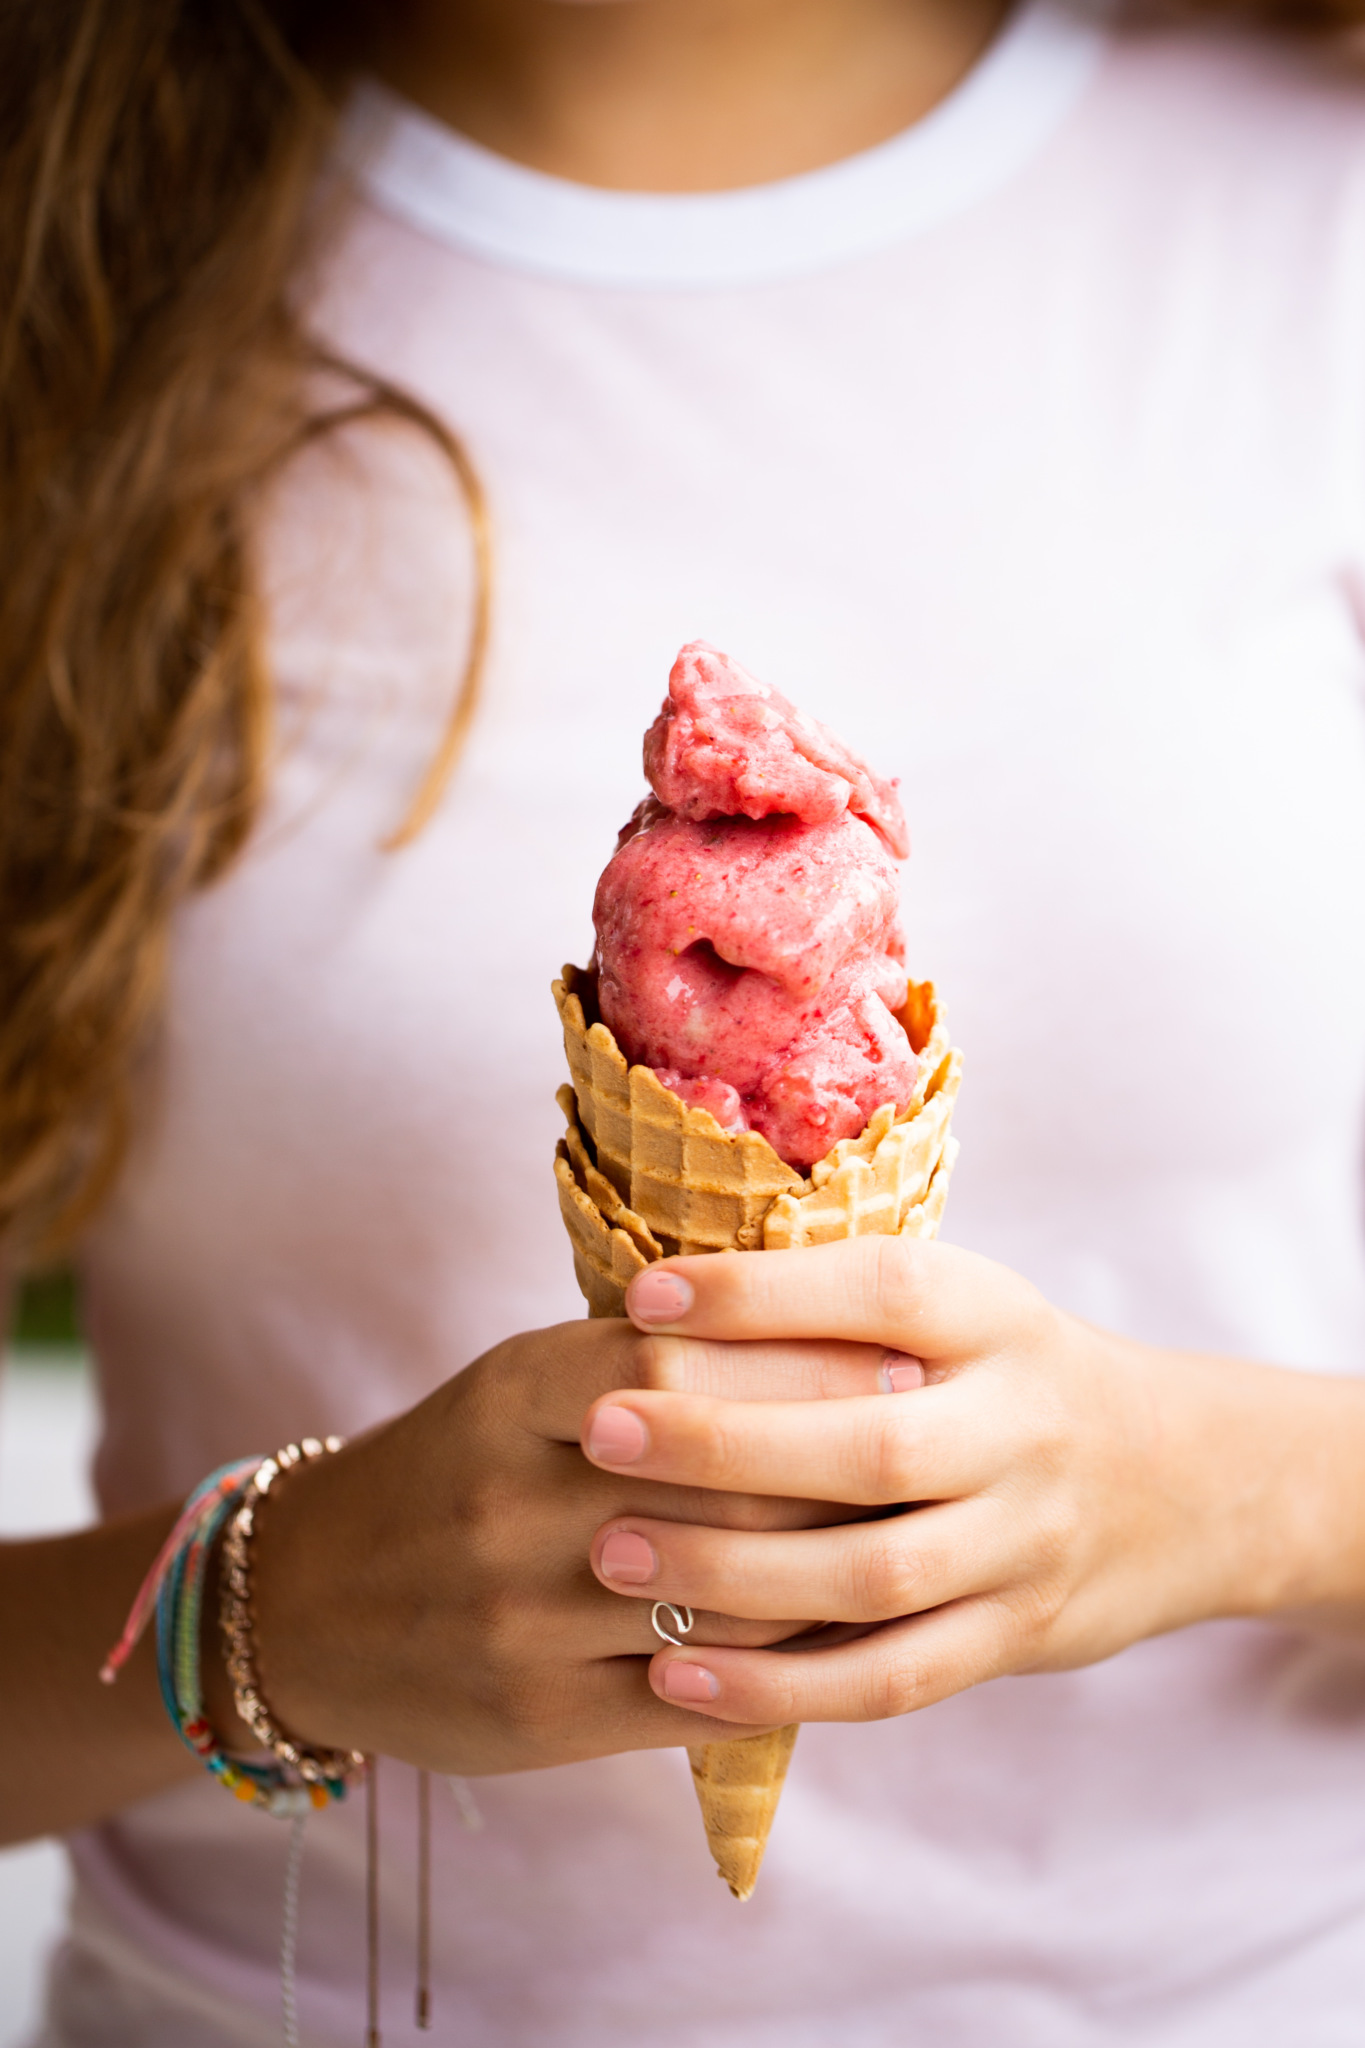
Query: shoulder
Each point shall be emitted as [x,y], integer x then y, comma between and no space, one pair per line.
[1197,96]
[1215,177]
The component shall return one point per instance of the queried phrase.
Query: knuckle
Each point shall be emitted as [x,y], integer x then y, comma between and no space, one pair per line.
[888,1459]
[1036,1604]
[1041,1451]
[1027,1322]
[1022,1622]
[535,1704]
[491,1553]
[1058,1535]
[482,1516]
[889,1578]
[896,1684]
[653,1363]
[781,1701]
[473,1402]
[498,1619]
[894,1279]
[1036,1316]
[1048,1603]
[513,1372]
[717,1575]
[720,1444]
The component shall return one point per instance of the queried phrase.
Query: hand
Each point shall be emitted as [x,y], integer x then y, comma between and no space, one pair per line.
[1050,1495]
[426,1593]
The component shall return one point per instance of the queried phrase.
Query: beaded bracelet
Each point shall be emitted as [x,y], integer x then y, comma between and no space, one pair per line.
[328,1769]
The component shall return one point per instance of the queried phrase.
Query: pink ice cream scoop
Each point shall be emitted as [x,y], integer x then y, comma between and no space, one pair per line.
[748,946]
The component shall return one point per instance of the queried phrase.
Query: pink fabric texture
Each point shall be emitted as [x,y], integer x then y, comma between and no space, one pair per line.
[1053,504]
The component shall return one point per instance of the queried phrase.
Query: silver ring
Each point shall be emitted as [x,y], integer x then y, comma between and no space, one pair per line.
[675,1615]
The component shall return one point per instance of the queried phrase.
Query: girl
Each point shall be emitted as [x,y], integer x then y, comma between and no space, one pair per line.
[994,386]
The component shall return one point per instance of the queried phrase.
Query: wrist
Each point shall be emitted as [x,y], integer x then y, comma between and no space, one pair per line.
[1279,1456]
[303,1578]
[295,1574]
[1319,1452]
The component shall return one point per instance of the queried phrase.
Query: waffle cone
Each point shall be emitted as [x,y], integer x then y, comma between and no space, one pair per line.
[643,1176]
[738,1786]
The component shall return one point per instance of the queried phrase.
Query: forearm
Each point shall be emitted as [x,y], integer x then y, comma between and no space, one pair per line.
[73,1750]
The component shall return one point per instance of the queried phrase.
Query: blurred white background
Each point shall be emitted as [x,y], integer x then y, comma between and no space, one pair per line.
[47,1429]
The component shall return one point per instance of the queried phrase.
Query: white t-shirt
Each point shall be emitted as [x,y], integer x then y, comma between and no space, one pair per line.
[1028,450]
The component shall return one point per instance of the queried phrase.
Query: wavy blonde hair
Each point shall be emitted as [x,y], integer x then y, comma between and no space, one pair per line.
[160,169]
[160,172]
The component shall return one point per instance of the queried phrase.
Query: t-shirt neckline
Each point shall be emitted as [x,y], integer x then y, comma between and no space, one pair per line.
[971,144]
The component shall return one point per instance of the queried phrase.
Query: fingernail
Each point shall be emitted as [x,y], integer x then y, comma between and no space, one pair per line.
[900,1372]
[617,1437]
[659,1297]
[691,1682]
[628,1558]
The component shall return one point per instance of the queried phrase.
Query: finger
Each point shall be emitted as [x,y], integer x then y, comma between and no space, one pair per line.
[895,1670]
[934,1444]
[872,1571]
[616,1710]
[572,1617]
[582,1627]
[932,1300]
[798,1369]
[574,1498]
[564,1711]
[570,1368]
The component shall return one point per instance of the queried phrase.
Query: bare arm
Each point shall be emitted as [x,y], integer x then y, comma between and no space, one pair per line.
[70,1750]
[73,1750]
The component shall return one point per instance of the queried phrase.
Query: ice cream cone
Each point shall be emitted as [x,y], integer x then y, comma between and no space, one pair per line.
[643,1176]
[738,1786]
[695,1186]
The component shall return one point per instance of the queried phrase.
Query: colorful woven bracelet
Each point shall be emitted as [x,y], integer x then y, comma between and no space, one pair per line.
[173,1590]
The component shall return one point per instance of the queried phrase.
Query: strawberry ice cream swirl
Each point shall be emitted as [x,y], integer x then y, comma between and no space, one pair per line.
[748,943]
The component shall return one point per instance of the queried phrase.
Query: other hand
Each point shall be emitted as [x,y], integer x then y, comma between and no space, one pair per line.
[1051,1494]
[426,1593]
